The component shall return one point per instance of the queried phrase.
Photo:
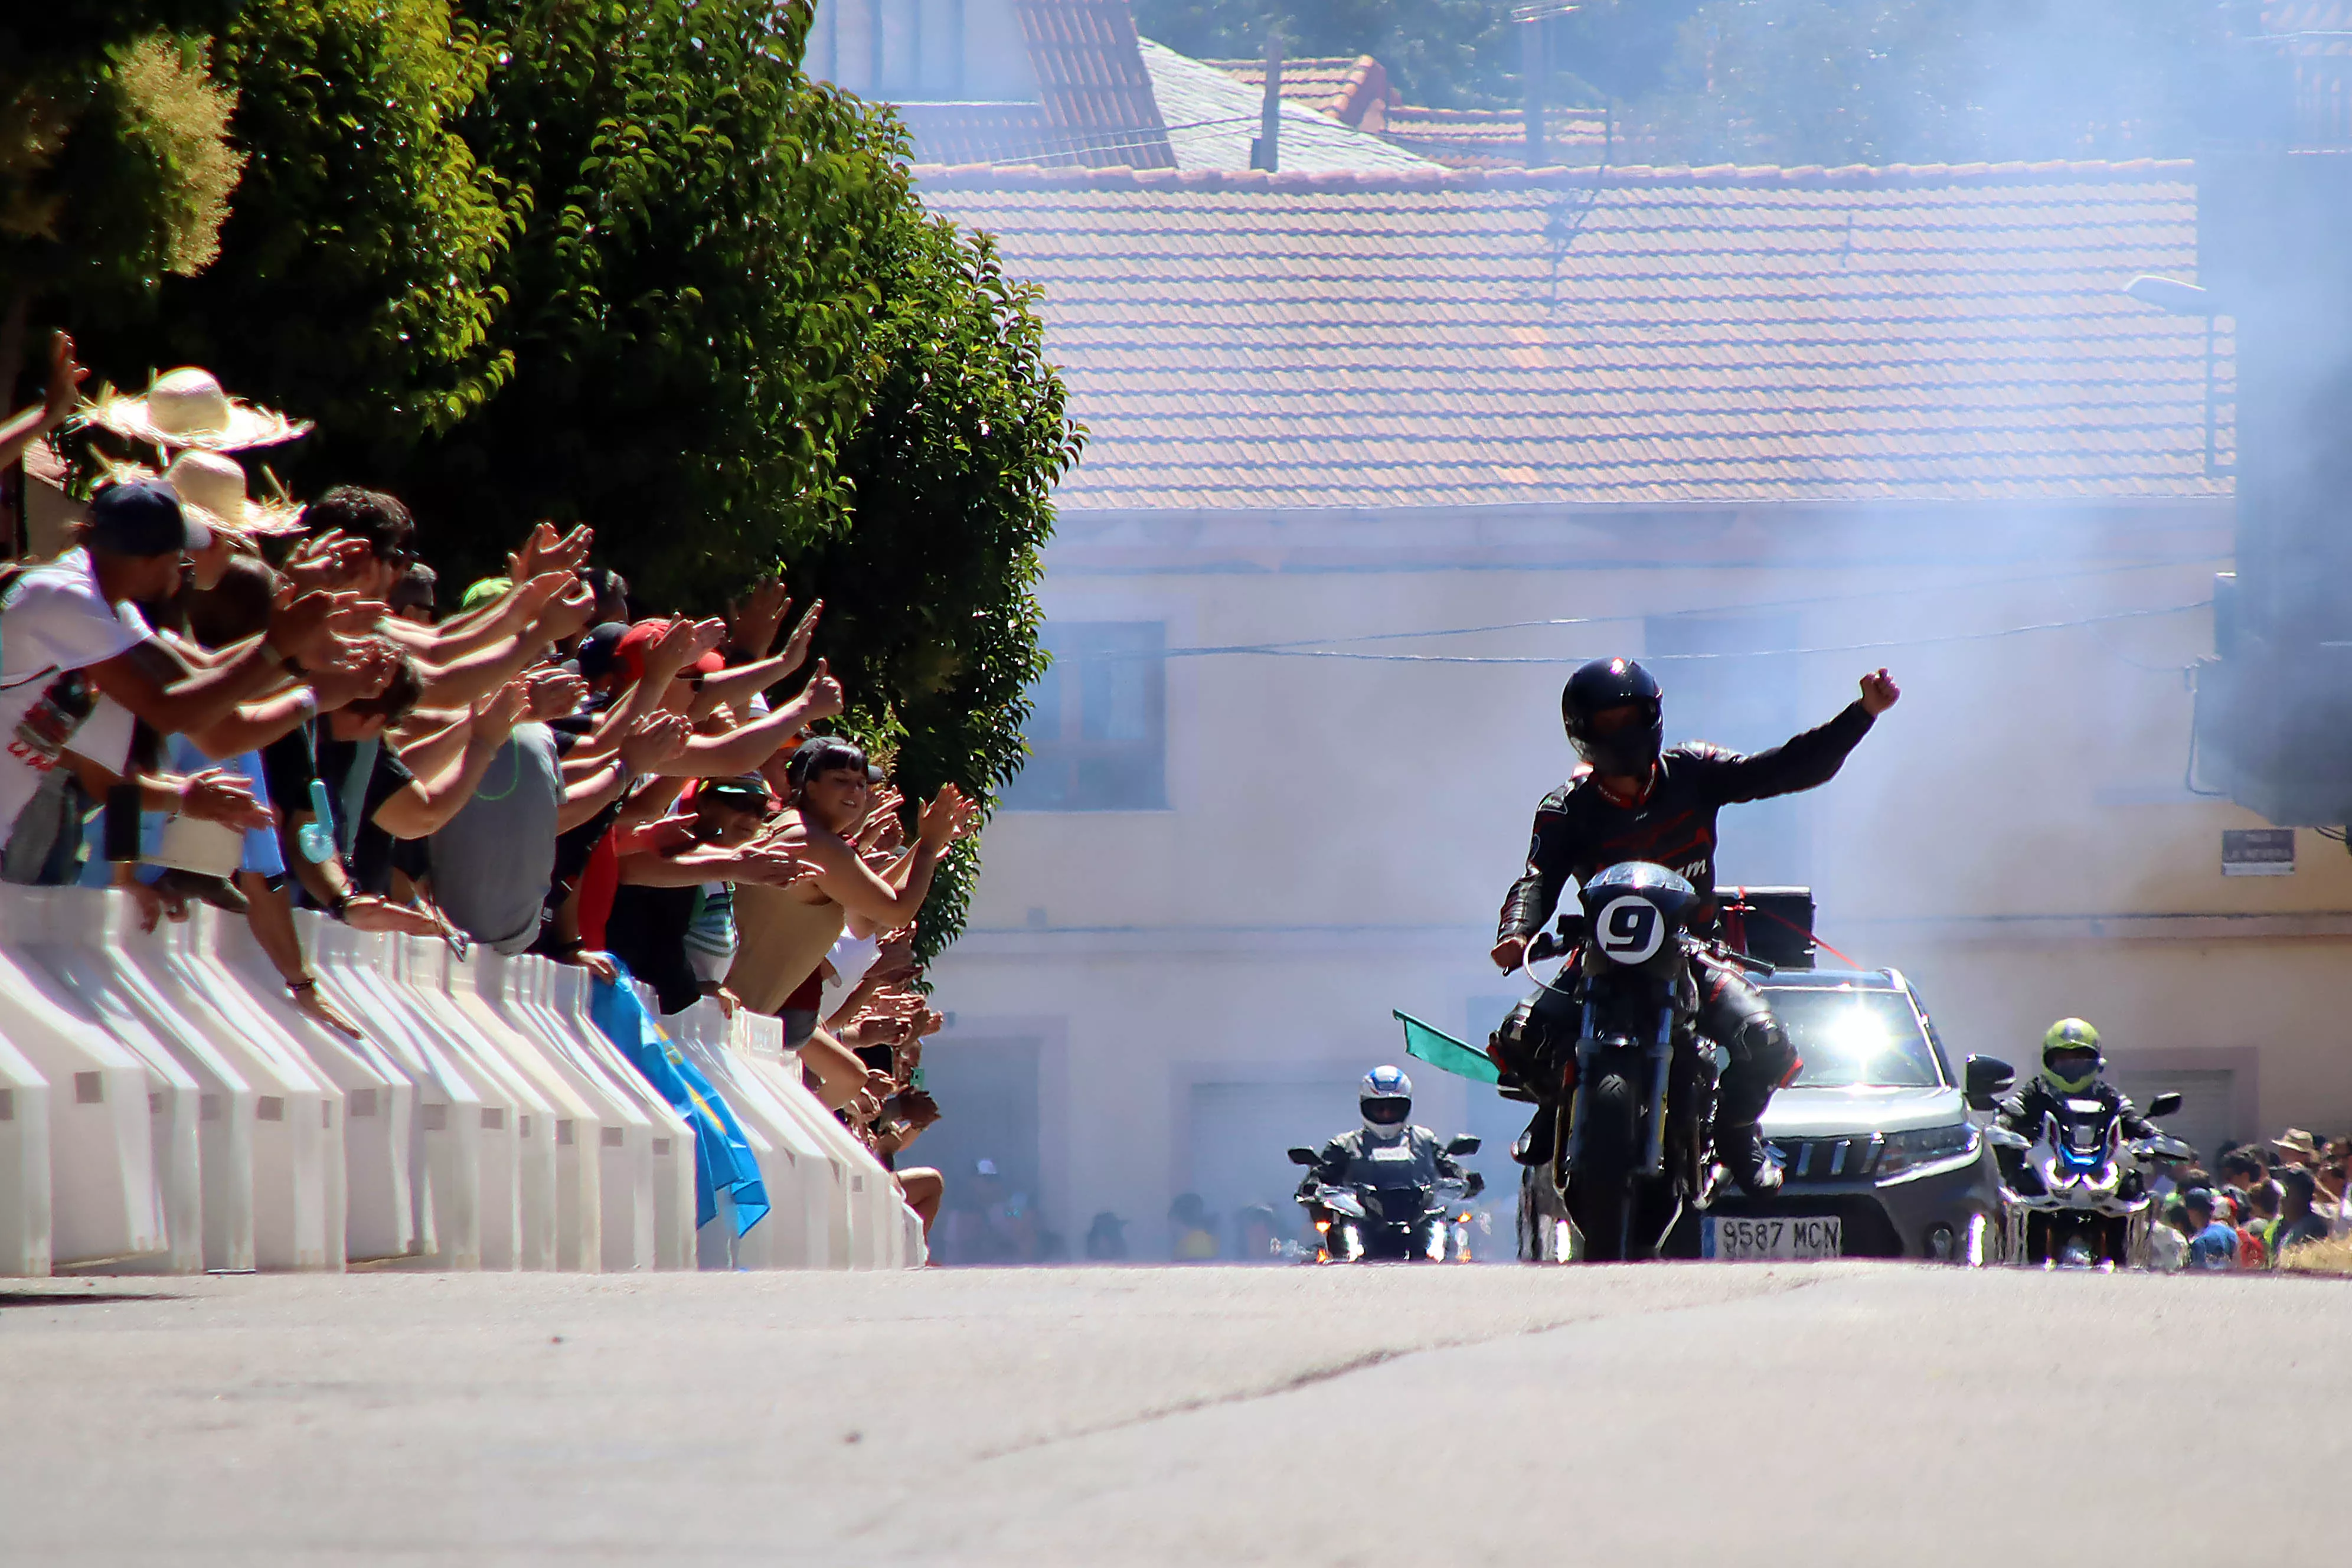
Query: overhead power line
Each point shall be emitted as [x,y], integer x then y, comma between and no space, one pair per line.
[1270,650]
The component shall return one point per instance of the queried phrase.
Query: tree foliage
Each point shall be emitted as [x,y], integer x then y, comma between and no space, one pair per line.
[952,468]
[690,299]
[115,162]
[355,283]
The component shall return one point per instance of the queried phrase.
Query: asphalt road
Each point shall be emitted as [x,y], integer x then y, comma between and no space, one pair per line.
[1662,1414]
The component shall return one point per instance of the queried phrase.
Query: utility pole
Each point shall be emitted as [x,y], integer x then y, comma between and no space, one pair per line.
[1266,151]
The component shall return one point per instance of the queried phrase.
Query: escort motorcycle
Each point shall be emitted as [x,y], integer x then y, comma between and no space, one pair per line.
[2076,1188]
[1414,1215]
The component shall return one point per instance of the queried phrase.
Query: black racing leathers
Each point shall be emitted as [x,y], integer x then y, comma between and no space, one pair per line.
[2022,1111]
[1580,830]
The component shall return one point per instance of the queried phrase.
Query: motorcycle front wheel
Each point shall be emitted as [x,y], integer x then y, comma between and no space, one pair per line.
[1601,1189]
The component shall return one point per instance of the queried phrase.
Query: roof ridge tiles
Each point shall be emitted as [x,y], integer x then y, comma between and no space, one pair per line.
[1851,177]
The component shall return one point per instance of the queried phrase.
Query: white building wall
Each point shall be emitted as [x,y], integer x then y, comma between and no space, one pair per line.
[1339,833]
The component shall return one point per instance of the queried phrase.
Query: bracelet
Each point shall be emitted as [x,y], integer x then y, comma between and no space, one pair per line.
[340,905]
[307,982]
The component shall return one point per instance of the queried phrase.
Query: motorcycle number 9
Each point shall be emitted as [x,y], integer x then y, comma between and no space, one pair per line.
[1630,929]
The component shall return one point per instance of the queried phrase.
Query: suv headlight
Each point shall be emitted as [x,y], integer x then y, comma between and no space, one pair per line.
[1926,1146]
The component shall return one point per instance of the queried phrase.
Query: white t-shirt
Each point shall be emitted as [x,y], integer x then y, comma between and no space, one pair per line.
[851,957]
[53,620]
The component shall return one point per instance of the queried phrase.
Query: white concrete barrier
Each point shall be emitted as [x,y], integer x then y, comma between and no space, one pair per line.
[166,1107]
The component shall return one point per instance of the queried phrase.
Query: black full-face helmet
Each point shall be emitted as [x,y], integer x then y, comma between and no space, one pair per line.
[1596,689]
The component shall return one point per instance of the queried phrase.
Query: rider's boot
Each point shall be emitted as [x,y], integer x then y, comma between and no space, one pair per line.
[1748,1158]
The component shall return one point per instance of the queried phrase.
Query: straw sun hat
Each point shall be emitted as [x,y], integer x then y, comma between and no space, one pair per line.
[186,409]
[212,485]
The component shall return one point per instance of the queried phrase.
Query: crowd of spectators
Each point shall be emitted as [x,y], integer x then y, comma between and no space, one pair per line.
[265,706]
[2257,1205]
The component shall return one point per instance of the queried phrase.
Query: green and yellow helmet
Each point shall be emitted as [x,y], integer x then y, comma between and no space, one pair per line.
[2070,1055]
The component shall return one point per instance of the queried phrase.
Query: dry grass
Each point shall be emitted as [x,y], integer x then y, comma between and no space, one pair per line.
[2333,1256]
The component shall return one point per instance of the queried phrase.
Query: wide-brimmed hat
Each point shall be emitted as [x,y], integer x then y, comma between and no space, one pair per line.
[212,485]
[2296,1141]
[188,408]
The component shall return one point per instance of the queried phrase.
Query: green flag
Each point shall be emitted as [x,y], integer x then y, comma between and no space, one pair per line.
[1442,1050]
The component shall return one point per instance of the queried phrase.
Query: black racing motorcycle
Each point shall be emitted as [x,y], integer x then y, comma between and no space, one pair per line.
[1408,1216]
[1636,1148]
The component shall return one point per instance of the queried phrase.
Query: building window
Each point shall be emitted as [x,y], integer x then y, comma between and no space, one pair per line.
[1098,730]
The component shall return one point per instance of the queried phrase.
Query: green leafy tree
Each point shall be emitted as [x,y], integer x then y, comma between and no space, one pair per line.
[690,302]
[115,161]
[356,279]
[952,467]
[740,346]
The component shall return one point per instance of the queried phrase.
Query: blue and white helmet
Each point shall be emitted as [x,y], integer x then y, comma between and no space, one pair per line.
[1385,1099]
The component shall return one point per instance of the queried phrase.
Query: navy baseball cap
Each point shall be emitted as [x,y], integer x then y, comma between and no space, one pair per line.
[144,516]
[599,649]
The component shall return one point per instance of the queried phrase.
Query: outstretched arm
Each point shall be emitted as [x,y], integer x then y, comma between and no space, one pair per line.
[1807,761]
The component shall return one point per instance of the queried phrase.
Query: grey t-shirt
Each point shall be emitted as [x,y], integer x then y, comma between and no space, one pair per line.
[491,864]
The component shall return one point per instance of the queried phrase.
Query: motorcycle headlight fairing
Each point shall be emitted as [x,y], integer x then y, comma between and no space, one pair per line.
[1905,1153]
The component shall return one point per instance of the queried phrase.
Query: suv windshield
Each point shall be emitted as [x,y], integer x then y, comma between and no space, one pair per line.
[1854,1037]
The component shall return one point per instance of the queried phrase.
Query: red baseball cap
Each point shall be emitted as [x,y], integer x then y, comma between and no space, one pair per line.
[629,653]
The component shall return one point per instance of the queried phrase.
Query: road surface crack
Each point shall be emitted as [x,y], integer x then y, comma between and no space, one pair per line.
[1363,1362]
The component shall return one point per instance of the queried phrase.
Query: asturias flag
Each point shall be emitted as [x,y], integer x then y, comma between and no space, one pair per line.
[723,1156]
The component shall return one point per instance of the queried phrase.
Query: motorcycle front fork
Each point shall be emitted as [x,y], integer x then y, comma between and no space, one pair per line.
[1657,1058]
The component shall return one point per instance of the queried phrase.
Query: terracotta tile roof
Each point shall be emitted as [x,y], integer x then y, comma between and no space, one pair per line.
[983,133]
[1491,138]
[1341,86]
[1247,341]
[1357,91]
[1096,94]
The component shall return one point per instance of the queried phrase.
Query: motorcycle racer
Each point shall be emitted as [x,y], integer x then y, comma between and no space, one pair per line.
[1637,799]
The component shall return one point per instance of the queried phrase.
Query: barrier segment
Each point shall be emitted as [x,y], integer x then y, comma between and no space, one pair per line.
[298,1145]
[444,1138]
[195,1219]
[778,1239]
[518,1122]
[137,1128]
[24,1199]
[378,1103]
[610,1151]
[583,1105]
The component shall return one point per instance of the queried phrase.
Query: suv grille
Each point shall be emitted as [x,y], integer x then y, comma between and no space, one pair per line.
[1828,1159]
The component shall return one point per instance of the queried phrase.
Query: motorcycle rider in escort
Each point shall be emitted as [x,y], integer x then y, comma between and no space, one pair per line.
[1387,1150]
[1638,799]
[2071,1066]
